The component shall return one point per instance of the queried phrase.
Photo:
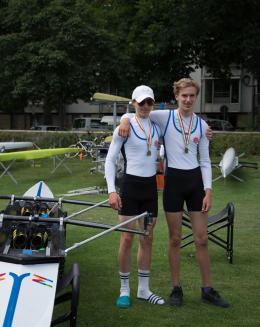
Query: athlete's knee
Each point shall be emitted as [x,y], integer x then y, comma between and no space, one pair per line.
[201,240]
[146,240]
[175,241]
[126,239]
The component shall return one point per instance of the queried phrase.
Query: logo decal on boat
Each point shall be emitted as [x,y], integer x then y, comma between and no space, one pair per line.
[42,280]
[2,276]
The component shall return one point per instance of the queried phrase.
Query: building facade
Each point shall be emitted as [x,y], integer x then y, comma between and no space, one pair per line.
[235,99]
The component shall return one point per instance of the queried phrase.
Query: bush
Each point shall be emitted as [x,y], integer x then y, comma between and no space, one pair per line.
[50,139]
[240,141]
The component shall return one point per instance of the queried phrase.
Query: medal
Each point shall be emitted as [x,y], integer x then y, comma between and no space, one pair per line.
[148,137]
[185,135]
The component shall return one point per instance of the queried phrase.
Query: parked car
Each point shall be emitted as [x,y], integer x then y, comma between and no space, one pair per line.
[86,124]
[220,125]
[45,128]
[108,121]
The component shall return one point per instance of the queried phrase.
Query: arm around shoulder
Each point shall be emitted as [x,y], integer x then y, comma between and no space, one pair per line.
[124,127]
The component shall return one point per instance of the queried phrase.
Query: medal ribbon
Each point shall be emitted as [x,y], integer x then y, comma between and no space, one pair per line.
[186,136]
[149,136]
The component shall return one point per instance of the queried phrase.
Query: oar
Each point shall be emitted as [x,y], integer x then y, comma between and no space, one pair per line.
[77,245]
[104,226]
[30,198]
[70,222]
[86,209]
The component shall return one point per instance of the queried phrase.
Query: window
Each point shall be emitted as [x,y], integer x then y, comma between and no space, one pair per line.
[95,123]
[79,123]
[208,90]
[222,90]
[234,91]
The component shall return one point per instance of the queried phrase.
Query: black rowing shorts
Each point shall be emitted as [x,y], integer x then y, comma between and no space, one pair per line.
[138,194]
[183,186]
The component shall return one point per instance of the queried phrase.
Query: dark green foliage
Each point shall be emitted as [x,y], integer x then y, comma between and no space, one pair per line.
[50,139]
[241,142]
[55,52]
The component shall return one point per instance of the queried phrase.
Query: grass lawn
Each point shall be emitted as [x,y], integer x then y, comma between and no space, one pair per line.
[239,282]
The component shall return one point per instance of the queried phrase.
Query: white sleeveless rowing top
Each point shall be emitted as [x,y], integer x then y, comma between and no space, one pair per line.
[198,147]
[134,151]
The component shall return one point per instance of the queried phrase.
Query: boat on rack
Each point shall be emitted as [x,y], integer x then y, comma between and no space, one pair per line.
[33,252]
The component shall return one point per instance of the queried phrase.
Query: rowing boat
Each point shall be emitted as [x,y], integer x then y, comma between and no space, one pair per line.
[35,154]
[33,252]
[6,146]
[228,162]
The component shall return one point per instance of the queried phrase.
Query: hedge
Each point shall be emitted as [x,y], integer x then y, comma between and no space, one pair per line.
[248,142]
[50,139]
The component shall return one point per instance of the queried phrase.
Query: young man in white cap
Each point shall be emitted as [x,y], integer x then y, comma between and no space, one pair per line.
[138,192]
[187,179]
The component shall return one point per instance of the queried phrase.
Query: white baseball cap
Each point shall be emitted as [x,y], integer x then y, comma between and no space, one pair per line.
[142,92]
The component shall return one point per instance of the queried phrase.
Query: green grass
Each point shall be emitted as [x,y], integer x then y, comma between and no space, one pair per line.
[239,283]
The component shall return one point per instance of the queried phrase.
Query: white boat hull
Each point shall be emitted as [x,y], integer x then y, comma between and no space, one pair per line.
[15,145]
[228,162]
[27,292]
[26,299]
[39,189]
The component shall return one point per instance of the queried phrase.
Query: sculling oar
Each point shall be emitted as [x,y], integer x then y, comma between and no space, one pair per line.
[105,226]
[69,222]
[86,209]
[77,245]
[44,199]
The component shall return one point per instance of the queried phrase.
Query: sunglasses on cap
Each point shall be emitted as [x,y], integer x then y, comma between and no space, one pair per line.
[148,101]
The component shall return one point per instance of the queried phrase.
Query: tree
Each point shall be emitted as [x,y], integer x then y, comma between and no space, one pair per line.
[160,51]
[57,51]
[225,33]
[169,38]
[53,51]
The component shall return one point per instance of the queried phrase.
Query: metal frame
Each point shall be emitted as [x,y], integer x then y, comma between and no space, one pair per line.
[7,171]
[68,286]
[224,219]
[72,280]
[58,162]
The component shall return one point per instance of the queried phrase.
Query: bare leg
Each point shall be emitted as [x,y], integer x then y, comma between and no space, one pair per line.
[144,253]
[144,256]
[174,221]
[199,222]
[125,247]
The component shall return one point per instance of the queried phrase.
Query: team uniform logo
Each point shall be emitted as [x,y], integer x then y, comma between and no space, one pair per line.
[196,140]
